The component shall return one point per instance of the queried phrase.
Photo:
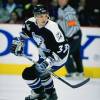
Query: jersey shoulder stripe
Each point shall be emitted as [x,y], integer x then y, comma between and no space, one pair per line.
[32,19]
[53,27]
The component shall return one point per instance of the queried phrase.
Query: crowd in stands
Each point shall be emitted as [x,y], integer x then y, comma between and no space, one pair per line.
[17,11]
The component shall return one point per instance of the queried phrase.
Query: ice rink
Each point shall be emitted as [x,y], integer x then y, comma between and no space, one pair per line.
[15,88]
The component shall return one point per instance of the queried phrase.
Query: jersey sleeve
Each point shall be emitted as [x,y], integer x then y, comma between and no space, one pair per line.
[72,23]
[26,29]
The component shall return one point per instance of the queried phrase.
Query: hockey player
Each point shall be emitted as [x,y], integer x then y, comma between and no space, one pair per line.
[51,41]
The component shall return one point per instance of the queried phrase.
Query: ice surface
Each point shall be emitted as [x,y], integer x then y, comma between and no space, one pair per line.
[15,88]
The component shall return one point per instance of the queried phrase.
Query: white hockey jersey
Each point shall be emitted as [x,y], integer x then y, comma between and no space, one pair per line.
[49,39]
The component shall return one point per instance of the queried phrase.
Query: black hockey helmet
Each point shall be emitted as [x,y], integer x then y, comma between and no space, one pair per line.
[40,9]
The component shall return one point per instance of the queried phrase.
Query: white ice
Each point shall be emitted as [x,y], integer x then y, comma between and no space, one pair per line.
[15,88]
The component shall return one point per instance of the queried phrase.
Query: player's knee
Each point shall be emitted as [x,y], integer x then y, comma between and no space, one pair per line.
[29,73]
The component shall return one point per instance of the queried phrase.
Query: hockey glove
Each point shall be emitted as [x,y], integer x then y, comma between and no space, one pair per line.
[17,47]
[41,68]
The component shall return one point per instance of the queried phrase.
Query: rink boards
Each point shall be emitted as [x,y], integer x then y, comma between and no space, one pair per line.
[9,64]
[16,69]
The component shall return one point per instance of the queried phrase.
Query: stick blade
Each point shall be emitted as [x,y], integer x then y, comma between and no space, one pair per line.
[81,84]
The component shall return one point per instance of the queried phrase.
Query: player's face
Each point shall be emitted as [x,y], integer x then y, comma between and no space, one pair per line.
[42,19]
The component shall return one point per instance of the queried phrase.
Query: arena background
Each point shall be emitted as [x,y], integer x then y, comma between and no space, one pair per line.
[10,64]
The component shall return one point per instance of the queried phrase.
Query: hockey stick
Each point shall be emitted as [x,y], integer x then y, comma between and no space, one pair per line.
[72,86]
[61,79]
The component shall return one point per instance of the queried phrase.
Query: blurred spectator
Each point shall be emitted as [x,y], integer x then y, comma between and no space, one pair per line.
[68,21]
[23,2]
[92,9]
[74,3]
[10,6]
[53,10]
[28,9]
[7,9]
[14,18]
[45,2]
[4,15]
[90,12]
[0,2]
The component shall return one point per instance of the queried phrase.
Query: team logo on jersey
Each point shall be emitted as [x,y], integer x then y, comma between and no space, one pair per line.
[59,37]
[37,39]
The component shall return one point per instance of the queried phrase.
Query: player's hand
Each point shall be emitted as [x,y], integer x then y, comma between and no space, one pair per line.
[44,69]
[41,68]
[17,47]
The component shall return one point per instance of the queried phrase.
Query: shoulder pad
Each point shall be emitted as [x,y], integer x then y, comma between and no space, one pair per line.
[32,19]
